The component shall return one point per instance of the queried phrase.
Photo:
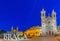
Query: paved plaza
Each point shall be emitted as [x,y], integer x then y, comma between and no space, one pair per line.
[38,39]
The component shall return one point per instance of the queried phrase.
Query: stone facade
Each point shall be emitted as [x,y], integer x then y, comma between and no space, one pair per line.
[48,23]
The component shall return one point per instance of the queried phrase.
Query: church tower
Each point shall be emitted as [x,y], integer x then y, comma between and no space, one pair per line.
[43,18]
[17,28]
[12,29]
[54,21]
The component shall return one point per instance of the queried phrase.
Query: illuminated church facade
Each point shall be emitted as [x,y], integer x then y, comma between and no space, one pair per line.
[49,26]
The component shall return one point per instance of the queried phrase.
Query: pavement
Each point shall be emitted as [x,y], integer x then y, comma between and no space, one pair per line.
[39,39]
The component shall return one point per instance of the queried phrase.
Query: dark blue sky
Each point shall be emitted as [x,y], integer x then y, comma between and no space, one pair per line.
[25,13]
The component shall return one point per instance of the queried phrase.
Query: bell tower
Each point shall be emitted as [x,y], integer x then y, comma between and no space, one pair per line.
[43,23]
[43,17]
[54,21]
[17,28]
[53,14]
[12,29]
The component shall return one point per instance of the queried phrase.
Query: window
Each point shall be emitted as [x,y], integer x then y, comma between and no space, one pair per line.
[54,15]
[43,14]
[48,21]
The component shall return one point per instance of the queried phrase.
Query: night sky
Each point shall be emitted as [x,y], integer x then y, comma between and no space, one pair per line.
[25,13]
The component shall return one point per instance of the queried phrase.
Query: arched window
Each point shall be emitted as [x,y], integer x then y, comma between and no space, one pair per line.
[49,22]
[43,14]
[54,15]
